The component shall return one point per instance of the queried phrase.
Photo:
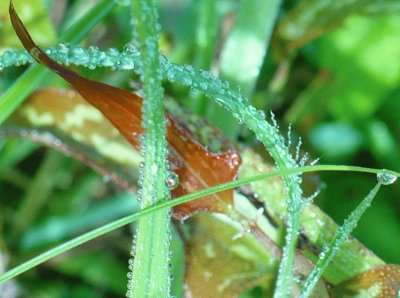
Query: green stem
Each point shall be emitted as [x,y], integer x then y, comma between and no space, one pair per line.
[168,204]
[340,236]
[36,74]
[150,275]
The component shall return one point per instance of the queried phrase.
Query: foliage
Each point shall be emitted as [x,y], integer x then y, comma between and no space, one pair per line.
[334,90]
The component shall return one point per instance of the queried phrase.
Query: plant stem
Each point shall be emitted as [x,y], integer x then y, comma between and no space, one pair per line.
[150,275]
[340,236]
[36,74]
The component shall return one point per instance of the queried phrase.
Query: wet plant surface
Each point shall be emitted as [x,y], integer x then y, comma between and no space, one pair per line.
[123,133]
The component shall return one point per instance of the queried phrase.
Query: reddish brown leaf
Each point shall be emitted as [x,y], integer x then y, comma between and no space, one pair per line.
[196,167]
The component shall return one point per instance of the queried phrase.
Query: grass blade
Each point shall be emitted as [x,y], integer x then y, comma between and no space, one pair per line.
[341,235]
[150,276]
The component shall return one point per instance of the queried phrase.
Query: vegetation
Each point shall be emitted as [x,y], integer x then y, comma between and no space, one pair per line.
[327,72]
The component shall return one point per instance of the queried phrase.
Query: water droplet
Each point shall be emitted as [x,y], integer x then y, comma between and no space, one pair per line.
[63,48]
[386,177]
[153,169]
[172,180]
[234,160]
[261,114]
[79,55]
[127,63]
[187,81]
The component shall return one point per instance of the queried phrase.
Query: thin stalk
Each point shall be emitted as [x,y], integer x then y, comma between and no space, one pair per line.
[338,239]
[168,204]
[35,75]
[150,276]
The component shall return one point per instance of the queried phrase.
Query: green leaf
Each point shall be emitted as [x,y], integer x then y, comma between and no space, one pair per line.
[243,54]
[36,17]
[313,18]
[363,57]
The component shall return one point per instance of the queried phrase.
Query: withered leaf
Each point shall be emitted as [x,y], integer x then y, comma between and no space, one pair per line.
[379,282]
[196,167]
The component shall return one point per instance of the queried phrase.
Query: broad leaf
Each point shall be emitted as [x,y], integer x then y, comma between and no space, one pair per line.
[224,261]
[221,266]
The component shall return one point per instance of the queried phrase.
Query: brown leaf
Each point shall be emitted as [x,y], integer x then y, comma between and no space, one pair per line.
[380,282]
[196,167]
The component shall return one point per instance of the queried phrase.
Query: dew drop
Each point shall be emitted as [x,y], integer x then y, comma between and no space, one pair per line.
[386,177]
[127,63]
[63,48]
[153,169]
[172,180]
[79,55]
[234,160]
[261,114]
[187,81]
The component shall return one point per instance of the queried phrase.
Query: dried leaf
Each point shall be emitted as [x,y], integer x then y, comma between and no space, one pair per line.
[196,167]
[379,282]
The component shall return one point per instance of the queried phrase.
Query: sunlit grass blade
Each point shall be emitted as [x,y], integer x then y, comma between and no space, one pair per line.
[150,276]
[243,53]
[207,27]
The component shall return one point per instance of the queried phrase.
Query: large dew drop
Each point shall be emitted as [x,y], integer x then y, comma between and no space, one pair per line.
[386,177]
[172,180]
